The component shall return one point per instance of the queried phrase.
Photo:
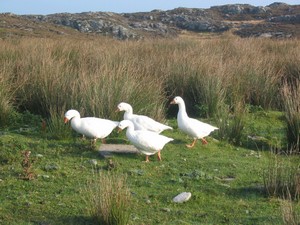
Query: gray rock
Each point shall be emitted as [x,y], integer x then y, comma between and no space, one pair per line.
[169,23]
[39,156]
[51,167]
[182,197]
[166,209]
[93,162]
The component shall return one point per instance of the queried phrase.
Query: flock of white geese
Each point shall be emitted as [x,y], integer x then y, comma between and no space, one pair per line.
[142,131]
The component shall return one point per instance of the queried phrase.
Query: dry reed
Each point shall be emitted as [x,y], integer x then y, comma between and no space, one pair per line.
[291,103]
[93,76]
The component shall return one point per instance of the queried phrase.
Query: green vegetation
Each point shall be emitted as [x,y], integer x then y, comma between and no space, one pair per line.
[247,174]
[226,181]
[109,198]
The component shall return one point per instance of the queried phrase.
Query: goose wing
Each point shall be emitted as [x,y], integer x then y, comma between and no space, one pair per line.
[146,123]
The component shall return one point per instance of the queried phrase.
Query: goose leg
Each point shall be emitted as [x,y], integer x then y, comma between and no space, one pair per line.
[147,158]
[93,142]
[159,156]
[103,141]
[192,145]
[204,141]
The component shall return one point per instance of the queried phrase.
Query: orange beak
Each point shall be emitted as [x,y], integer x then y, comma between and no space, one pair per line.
[66,119]
[172,102]
[119,129]
[117,110]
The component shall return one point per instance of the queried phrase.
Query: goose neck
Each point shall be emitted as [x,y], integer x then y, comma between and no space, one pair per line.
[182,109]
[75,122]
[130,130]
[128,113]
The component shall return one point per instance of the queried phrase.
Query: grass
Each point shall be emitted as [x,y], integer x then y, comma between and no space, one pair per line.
[225,180]
[291,102]
[282,180]
[233,80]
[41,75]
[109,199]
[289,214]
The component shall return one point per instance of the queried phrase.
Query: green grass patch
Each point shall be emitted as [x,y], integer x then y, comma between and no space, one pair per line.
[226,181]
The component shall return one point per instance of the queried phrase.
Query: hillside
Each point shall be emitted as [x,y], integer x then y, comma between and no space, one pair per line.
[277,20]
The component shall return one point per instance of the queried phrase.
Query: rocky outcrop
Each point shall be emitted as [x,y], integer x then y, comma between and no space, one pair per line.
[247,20]
[105,23]
[293,19]
[234,9]
[198,20]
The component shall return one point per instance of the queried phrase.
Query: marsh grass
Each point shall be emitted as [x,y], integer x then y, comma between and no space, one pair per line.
[108,199]
[231,123]
[6,106]
[55,128]
[93,80]
[289,214]
[93,76]
[291,104]
[282,179]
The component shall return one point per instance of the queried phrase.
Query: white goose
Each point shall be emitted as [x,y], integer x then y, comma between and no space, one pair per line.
[90,127]
[141,122]
[190,126]
[147,142]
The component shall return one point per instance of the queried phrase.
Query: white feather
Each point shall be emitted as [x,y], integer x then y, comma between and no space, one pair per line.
[147,142]
[191,126]
[90,127]
[141,122]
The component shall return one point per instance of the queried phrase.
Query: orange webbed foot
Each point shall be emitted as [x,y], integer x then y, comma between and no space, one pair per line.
[204,141]
[193,144]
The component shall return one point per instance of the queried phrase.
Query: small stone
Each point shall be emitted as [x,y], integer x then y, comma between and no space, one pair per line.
[225,185]
[93,162]
[183,197]
[28,203]
[51,167]
[166,209]
[39,156]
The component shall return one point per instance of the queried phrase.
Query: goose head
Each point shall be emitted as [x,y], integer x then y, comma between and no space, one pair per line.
[71,114]
[177,100]
[124,124]
[123,106]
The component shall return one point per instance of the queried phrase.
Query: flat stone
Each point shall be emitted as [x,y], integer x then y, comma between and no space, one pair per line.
[107,150]
[93,162]
[182,197]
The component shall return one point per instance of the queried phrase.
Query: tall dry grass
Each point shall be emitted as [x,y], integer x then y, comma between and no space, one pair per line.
[49,76]
[289,214]
[7,91]
[6,105]
[291,103]
[89,76]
